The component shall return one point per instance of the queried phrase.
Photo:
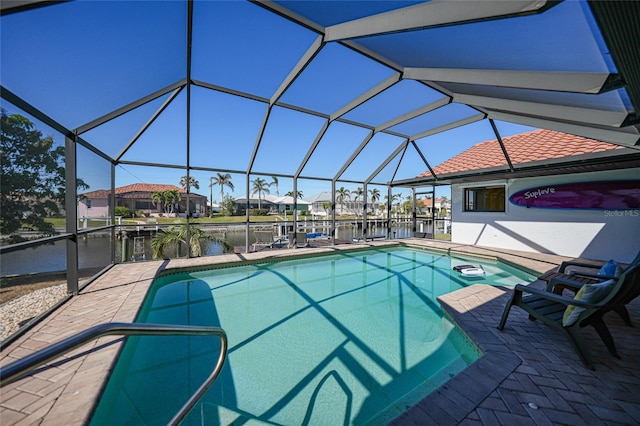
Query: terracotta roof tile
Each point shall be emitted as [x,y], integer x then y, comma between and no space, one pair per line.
[136,187]
[536,145]
[148,187]
[100,193]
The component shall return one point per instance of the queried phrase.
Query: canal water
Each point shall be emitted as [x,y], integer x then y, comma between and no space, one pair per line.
[94,250]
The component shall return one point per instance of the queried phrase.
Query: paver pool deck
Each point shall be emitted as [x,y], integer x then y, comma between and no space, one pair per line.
[528,374]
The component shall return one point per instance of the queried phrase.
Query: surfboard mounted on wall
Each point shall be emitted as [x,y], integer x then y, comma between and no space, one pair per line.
[610,195]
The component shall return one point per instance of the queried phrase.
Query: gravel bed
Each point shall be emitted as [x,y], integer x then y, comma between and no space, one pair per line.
[21,309]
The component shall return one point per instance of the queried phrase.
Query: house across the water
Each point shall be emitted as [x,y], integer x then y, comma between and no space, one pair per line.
[139,197]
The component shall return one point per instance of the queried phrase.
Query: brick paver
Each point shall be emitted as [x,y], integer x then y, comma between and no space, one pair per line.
[528,373]
[550,385]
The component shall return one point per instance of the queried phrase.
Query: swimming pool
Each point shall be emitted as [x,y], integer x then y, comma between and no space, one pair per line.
[349,338]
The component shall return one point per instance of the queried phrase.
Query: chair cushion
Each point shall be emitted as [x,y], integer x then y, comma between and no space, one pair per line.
[610,269]
[589,293]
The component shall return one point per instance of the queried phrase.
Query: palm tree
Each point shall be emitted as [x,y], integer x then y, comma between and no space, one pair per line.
[222,180]
[167,199]
[260,186]
[326,206]
[394,197]
[211,196]
[158,198]
[375,196]
[407,205]
[193,183]
[171,198]
[342,194]
[298,194]
[274,181]
[443,210]
[175,236]
[358,192]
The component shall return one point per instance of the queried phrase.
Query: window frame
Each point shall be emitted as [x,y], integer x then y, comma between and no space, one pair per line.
[469,207]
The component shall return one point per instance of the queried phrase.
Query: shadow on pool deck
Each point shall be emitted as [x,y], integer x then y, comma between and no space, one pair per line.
[528,374]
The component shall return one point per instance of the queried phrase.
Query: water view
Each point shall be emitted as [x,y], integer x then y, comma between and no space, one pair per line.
[94,251]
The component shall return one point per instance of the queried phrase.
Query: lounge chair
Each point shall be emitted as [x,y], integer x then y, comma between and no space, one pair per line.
[300,240]
[572,275]
[263,239]
[570,315]
[589,270]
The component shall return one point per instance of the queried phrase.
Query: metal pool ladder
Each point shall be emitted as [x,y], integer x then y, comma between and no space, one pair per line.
[16,370]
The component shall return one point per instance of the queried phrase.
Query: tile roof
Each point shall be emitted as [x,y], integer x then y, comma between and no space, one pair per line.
[100,193]
[136,187]
[148,187]
[319,197]
[526,147]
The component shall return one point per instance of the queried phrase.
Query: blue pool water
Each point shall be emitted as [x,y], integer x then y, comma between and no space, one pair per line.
[350,338]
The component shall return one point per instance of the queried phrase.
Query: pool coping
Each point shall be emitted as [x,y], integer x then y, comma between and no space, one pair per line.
[458,397]
[67,391]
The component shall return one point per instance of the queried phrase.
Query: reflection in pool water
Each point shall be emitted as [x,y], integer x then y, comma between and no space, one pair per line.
[350,338]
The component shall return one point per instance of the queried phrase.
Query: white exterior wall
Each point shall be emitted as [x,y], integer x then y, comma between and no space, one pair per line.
[594,234]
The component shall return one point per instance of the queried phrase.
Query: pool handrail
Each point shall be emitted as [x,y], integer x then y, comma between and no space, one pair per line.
[18,369]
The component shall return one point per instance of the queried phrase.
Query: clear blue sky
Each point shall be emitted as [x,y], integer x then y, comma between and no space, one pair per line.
[80,60]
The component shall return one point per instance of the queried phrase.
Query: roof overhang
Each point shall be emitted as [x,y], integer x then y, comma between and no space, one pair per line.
[595,162]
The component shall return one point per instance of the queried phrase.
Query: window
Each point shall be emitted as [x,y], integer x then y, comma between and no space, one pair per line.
[144,205]
[485,199]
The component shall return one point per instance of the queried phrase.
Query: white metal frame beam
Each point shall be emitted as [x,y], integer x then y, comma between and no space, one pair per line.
[432,14]
[560,112]
[627,136]
[448,126]
[576,82]
[381,87]
[283,11]
[413,114]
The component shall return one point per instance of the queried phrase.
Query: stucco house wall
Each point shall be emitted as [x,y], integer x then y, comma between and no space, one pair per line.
[137,197]
[94,204]
[596,234]
[99,208]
